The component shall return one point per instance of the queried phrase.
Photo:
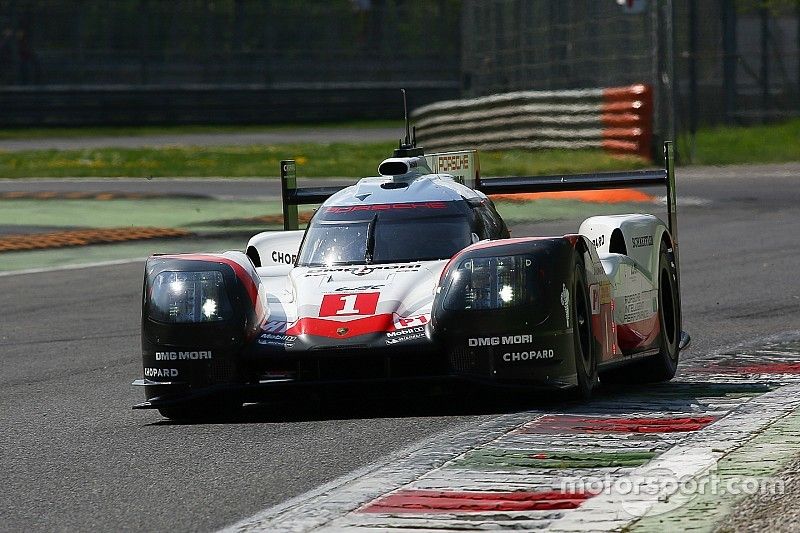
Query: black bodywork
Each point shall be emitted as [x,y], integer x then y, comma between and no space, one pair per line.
[525,343]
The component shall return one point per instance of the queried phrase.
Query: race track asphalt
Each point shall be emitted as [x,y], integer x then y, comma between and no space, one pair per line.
[75,457]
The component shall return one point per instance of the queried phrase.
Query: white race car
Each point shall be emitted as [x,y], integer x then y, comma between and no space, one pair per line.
[411,276]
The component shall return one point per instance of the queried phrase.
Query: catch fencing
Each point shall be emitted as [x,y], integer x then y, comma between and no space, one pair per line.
[616,119]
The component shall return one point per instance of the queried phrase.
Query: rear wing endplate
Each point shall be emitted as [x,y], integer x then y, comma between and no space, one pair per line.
[464,165]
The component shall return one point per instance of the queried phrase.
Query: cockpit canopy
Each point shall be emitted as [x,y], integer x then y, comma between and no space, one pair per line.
[399,232]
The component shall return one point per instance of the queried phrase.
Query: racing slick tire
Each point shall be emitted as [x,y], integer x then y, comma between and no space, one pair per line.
[663,365]
[585,354]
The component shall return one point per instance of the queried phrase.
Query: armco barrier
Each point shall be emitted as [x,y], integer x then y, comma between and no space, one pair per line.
[617,119]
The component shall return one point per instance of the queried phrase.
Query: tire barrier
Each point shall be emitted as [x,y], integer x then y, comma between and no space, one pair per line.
[616,119]
[60,239]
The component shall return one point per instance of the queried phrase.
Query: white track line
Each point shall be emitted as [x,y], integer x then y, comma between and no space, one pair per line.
[72,267]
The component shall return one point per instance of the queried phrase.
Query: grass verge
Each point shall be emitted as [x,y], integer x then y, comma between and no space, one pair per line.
[314,160]
[768,143]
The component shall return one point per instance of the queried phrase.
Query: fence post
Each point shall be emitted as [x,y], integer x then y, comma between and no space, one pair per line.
[763,14]
[730,57]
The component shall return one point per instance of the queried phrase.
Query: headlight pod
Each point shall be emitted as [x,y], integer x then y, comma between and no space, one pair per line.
[482,283]
[189,297]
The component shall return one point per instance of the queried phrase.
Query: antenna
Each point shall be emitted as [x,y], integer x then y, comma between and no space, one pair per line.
[408,146]
[405,116]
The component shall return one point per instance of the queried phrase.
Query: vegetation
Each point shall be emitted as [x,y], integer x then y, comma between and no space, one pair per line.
[313,160]
[767,143]
[770,143]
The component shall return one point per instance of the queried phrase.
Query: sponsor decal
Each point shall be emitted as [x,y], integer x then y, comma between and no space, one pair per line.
[394,337]
[361,303]
[449,163]
[565,302]
[284,257]
[362,288]
[605,293]
[594,298]
[599,241]
[274,326]
[636,308]
[402,322]
[386,207]
[160,372]
[183,356]
[418,329]
[277,339]
[641,242]
[362,270]
[512,357]
[497,341]
[406,338]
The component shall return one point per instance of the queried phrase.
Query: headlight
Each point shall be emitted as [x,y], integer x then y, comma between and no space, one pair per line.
[188,297]
[492,283]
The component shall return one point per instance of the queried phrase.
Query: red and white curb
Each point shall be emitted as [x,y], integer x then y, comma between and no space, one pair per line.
[600,466]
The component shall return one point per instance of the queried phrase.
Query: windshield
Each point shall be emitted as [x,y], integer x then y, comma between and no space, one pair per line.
[386,236]
[335,244]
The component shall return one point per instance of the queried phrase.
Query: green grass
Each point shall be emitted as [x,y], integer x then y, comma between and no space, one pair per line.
[140,131]
[163,212]
[769,143]
[314,160]
[714,146]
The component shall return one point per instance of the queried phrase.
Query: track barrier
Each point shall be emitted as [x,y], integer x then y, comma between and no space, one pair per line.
[616,119]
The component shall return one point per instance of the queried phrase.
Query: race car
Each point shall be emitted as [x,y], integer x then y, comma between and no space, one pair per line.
[412,276]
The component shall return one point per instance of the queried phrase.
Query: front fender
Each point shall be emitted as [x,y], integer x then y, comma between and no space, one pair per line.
[503,308]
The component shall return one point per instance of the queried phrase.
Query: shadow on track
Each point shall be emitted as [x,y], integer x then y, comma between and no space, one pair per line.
[671,397]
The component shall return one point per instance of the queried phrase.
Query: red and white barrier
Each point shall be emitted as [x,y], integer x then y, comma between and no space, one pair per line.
[617,119]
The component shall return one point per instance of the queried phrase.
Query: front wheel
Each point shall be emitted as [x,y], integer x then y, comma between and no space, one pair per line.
[585,360]
[663,365]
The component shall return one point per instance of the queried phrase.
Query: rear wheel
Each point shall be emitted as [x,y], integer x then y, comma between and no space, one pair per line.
[663,365]
[585,360]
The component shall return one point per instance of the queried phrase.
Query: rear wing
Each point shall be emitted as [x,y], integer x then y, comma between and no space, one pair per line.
[464,166]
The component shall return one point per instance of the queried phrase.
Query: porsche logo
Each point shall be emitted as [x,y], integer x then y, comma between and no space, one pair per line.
[342,331]
[362,271]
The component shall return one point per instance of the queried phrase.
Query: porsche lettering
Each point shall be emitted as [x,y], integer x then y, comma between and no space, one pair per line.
[386,207]
[448,163]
